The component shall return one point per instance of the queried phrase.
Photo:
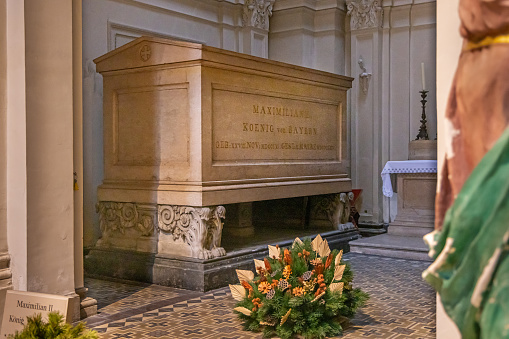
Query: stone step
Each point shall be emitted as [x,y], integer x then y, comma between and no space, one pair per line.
[409,231]
[371,229]
[395,246]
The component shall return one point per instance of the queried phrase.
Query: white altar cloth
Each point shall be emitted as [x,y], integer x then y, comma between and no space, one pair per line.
[407,166]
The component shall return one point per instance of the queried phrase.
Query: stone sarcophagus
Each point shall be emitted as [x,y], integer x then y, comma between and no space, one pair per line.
[189,128]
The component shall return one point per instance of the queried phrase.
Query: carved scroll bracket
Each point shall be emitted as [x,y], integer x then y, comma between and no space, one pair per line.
[198,227]
[122,217]
[364,77]
[364,13]
[256,13]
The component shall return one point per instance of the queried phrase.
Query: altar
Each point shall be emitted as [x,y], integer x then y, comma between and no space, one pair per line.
[416,188]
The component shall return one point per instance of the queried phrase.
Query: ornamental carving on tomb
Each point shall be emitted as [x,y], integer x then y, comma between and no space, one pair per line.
[198,227]
[120,217]
[336,207]
[364,13]
[256,13]
[145,52]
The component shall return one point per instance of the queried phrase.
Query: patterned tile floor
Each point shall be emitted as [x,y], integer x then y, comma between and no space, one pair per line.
[401,306]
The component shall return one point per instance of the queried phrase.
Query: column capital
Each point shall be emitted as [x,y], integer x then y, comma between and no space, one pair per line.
[256,13]
[364,13]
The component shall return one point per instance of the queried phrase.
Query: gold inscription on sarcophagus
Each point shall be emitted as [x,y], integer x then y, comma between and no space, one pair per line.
[273,127]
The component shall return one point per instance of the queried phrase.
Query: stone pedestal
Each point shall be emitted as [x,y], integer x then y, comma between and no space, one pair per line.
[191,273]
[416,204]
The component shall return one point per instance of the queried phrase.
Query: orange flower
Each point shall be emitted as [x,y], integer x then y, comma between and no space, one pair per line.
[267,265]
[328,261]
[287,256]
[298,291]
[316,261]
[319,269]
[287,271]
[246,285]
[257,303]
[264,287]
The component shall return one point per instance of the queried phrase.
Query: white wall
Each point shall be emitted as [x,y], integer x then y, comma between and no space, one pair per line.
[309,34]
[412,29]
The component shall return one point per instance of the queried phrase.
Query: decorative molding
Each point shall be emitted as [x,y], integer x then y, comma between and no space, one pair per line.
[364,77]
[336,207]
[119,34]
[198,227]
[118,217]
[256,13]
[364,13]
[315,5]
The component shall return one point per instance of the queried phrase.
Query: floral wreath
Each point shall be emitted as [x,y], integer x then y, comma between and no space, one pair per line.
[305,290]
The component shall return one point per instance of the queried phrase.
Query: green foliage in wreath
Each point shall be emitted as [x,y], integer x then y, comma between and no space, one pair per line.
[305,290]
[54,328]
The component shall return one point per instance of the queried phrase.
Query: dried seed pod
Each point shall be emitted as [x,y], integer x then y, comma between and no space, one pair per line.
[283,285]
[270,294]
[307,275]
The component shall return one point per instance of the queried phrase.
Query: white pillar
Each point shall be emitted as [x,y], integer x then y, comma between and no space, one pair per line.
[448,50]
[5,272]
[49,126]
[88,306]
[43,100]
[16,143]
[366,104]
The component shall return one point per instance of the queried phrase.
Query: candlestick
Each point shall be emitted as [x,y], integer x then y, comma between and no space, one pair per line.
[423,131]
[423,77]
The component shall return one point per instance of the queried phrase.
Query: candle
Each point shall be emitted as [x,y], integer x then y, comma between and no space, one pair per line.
[422,77]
